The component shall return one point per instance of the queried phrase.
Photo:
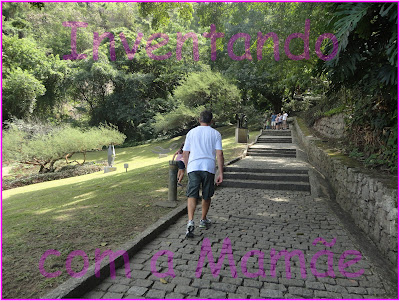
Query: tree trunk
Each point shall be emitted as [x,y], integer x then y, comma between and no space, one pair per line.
[68,156]
[51,166]
[84,157]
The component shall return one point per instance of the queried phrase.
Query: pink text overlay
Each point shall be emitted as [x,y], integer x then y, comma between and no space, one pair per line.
[212,35]
[347,259]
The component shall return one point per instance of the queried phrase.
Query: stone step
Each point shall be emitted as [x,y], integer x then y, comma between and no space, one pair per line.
[292,186]
[277,132]
[274,140]
[265,170]
[271,150]
[267,177]
[279,155]
[273,137]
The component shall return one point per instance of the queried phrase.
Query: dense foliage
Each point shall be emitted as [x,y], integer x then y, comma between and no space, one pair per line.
[146,97]
[363,78]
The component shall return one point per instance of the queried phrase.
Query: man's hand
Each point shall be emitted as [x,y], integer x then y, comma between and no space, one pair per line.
[219,180]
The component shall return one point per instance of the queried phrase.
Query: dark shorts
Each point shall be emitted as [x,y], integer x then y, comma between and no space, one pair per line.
[203,178]
[181,165]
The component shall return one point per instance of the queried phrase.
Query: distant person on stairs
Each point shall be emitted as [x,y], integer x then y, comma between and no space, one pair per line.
[278,121]
[284,117]
[273,123]
[202,144]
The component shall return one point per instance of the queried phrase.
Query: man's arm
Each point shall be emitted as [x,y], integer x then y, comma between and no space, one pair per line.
[186,158]
[220,162]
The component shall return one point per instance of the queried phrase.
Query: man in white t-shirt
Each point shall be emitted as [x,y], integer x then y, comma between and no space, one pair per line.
[202,144]
[284,117]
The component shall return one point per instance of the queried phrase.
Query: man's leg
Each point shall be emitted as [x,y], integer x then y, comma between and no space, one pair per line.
[208,192]
[192,193]
[190,225]
[205,205]
[191,207]
[205,222]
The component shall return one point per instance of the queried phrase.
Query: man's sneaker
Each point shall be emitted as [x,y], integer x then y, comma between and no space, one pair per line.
[205,223]
[190,229]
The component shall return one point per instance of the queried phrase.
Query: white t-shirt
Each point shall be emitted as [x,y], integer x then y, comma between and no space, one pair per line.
[285,116]
[202,143]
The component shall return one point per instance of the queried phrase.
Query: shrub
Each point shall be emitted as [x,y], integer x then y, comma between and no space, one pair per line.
[43,146]
[177,120]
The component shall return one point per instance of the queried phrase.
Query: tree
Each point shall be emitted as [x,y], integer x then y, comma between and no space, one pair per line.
[160,12]
[211,90]
[20,92]
[178,120]
[200,90]
[32,80]
[131,105]
[43,144]
[366,68]
[367,55]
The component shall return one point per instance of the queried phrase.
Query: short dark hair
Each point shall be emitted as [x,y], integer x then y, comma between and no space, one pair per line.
[206,116]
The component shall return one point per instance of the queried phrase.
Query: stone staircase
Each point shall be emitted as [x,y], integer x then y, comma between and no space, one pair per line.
[275,140]
[272,165]
[276,133]
[271,179]
[272,152]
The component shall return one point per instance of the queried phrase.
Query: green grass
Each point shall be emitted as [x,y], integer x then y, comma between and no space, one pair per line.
[304,128]
[334,111]
[86,212]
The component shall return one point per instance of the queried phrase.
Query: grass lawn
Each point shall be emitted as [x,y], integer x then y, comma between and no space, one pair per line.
[84,213]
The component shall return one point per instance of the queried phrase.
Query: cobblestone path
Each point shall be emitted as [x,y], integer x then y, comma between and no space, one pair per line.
[264,218]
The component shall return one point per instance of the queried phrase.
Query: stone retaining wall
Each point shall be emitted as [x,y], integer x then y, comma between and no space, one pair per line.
[332,127]
[372,205]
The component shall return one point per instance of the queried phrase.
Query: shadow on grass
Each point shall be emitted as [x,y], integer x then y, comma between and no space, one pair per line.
[144,151]
[130,154]
[83,213]
[98,213]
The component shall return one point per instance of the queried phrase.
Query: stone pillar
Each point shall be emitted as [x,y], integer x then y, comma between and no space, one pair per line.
[241,135]
[172,186]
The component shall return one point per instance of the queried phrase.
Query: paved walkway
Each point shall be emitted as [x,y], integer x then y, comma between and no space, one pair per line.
[255,218]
